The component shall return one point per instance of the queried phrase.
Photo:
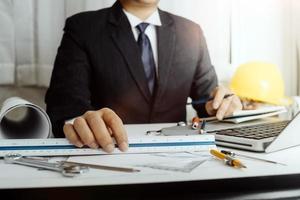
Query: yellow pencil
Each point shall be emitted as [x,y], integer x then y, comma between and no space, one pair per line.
[228,159]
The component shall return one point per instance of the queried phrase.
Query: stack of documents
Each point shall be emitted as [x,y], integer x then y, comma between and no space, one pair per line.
[248,115]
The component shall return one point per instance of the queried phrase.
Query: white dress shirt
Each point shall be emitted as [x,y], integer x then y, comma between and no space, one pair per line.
[153,20]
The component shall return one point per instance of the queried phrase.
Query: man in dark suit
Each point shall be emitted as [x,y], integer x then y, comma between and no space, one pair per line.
[131,63]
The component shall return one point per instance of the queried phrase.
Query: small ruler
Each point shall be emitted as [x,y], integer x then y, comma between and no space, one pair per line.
[149,144]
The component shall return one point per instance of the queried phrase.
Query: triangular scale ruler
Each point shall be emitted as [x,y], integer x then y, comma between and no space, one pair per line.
[149,144]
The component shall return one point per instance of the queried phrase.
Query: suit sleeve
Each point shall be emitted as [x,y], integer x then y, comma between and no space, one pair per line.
[205,78]
[68,95]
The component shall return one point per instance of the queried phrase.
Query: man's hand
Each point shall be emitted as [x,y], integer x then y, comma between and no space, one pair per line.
[221,106]
[96,128]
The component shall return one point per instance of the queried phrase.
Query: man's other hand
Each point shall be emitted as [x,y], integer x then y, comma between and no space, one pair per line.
[97,128]
[221,106]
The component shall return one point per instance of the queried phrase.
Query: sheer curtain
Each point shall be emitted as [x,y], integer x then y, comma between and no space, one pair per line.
[31,30]
[7,47]
[30,34]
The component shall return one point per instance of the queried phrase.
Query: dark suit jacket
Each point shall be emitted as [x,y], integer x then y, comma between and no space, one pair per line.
[98,65]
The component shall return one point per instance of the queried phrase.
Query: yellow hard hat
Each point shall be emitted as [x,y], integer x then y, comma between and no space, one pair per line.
[259,81]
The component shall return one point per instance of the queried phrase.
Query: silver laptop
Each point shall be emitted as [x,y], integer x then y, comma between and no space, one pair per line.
[265,137]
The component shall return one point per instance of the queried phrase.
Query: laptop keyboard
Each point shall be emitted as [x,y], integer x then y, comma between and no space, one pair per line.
[256,132]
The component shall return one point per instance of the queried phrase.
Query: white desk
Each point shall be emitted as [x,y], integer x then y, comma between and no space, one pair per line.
[15,176]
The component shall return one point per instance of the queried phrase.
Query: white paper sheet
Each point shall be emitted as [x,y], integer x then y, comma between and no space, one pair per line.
[249,115]
[148,163]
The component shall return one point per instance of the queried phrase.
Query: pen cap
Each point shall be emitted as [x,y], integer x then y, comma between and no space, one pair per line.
[196,119]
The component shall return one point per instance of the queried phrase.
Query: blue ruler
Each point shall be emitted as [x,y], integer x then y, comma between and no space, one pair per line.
[149,144]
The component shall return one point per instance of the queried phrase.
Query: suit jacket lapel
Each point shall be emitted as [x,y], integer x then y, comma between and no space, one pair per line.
[166,46]
[122,36]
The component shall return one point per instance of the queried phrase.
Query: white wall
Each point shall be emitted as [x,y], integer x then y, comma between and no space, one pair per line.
[263,30]
[214,18]
[238,31]
[296,30]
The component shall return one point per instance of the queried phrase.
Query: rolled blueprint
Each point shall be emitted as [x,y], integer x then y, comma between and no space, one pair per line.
[20,119]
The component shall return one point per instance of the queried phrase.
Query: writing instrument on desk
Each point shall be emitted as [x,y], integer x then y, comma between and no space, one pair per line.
[201,101]
[233,162]
[230,153]
[103,167]
[202,128]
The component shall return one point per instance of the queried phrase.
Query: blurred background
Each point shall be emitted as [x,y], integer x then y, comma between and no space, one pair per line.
[237,31]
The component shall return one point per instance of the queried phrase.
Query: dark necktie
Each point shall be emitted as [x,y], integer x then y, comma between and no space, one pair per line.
[147,55]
